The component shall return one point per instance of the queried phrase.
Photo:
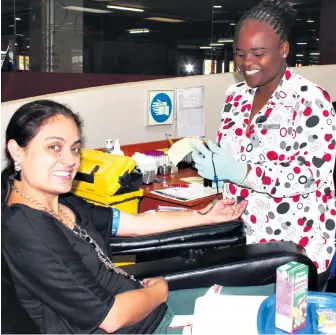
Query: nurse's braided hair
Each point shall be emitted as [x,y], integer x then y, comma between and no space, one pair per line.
[279,14]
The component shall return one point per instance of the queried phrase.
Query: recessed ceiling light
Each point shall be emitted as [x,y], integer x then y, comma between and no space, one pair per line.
[217,6]
[131,9]
[315,54]
[138,31]
[225,40]
[232,24]
[189,68]
[301,43]
[89,10]
[310,21]
[205,47]
[164,19]
[216,44]
[18,19]
[299,55]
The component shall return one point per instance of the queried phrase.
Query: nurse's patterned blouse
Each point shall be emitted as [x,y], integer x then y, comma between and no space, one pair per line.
[291,148]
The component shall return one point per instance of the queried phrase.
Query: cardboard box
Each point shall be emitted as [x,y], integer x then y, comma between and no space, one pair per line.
[291,296]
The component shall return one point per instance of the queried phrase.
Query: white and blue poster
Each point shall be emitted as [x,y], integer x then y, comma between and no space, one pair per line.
[160,108]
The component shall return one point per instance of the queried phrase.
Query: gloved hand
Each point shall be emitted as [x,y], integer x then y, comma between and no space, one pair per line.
[220,185]
[227,168]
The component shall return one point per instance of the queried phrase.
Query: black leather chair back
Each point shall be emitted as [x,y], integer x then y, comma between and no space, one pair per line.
[182,242]
[14,318]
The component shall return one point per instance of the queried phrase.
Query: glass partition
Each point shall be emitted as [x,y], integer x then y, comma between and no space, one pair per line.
[137,37]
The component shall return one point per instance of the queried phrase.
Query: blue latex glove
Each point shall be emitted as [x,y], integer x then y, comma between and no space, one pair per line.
[227,168]
[220,185]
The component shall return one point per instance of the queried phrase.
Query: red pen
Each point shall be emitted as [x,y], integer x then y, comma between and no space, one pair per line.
[178,185]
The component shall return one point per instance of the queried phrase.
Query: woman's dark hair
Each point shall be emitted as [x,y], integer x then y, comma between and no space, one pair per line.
[279,14]
[23,127]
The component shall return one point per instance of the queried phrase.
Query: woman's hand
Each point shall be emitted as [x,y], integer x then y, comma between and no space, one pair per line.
[148,282]
[223,211]
[133,306]
[160,285]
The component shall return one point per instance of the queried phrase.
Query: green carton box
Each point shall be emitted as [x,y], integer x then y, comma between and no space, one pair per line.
[291,296]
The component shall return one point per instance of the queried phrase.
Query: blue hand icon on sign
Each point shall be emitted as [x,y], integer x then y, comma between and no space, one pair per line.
[161,107]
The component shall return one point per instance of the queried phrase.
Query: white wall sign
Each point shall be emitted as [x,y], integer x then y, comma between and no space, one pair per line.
[190,112]
[160,108]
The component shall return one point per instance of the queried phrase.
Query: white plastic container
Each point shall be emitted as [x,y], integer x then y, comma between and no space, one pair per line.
[116,150]
[108,146]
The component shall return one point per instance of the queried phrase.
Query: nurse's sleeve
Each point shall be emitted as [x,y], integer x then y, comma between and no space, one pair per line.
[310,167]
[40,256]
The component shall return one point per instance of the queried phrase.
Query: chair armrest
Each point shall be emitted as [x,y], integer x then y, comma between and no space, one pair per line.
[227,233]
[241,265]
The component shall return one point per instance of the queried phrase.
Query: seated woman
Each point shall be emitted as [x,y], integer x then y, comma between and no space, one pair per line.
[56,244]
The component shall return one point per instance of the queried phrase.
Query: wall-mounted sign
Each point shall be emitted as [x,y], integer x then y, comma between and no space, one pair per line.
[160,107]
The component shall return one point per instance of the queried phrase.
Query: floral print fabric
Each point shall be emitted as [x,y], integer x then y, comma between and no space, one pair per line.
[291,147]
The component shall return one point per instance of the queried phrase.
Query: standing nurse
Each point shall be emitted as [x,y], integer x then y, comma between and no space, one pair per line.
[277,141]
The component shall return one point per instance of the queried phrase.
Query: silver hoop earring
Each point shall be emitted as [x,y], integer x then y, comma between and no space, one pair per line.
[17,166]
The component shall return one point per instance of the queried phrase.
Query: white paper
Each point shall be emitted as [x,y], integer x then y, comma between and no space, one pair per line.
[226,314]
[180,149]
[180,321]
[214,289]
[171,209]
[190,112]
[193,180]
[187,330]
[194,191]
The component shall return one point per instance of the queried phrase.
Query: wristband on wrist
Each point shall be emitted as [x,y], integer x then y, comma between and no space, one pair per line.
[115,221]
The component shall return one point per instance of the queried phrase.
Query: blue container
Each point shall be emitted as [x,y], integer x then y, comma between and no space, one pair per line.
[315,300]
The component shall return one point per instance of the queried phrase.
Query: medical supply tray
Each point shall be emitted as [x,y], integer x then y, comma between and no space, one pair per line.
[315,300]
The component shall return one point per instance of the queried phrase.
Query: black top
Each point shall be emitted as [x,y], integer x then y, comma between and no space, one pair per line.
[58,276]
